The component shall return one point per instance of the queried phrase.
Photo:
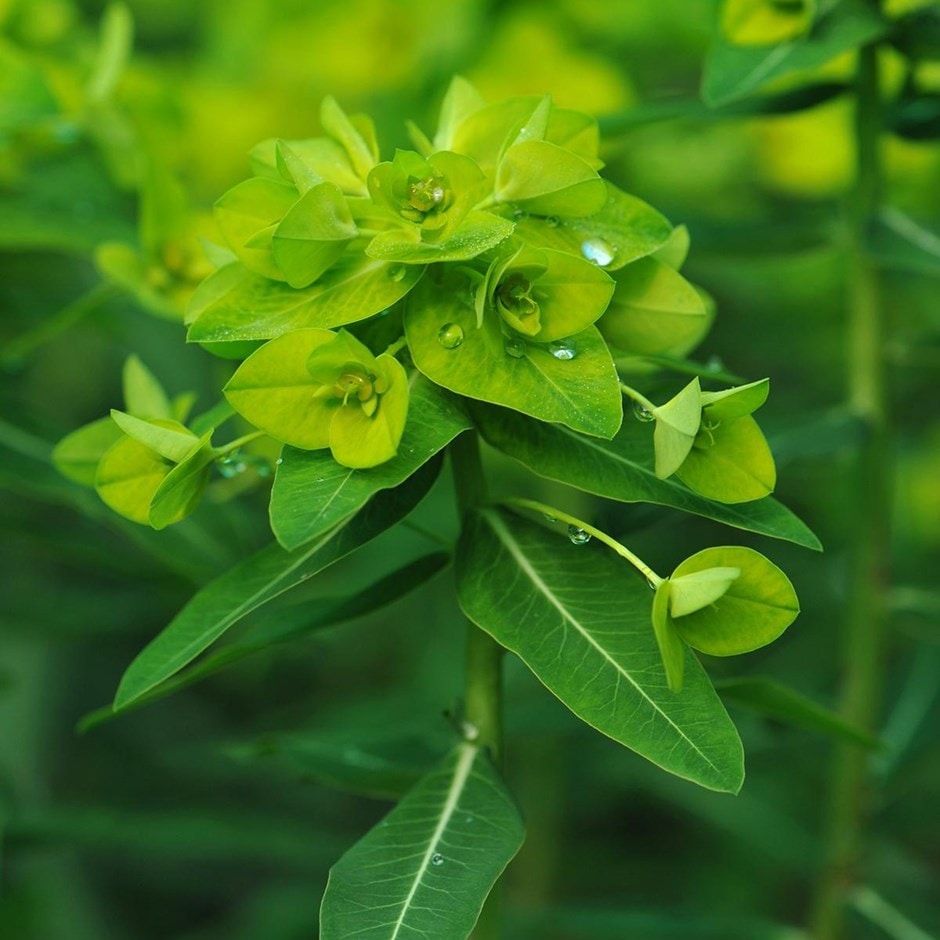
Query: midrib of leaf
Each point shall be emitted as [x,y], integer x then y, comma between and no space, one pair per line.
[461,773]
[503,534]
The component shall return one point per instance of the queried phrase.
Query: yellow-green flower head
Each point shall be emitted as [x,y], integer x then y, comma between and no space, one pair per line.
[542,293]
[315,388]
[434,193]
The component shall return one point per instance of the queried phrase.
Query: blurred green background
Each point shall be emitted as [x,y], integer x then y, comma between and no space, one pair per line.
[217,812]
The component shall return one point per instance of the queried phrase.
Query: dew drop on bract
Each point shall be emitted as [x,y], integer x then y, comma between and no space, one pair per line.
[437,859]
[598,251]
[397,272]
[515,347]
[578,536]
[450,335]
[563,349]
[279,461]
[642,413]
[552,221]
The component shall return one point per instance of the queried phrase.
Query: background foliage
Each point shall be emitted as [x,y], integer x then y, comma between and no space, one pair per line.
[217,813]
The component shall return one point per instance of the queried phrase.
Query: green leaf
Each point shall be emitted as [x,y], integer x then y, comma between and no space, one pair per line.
[545,381]
[671,648]
[546,179]
[772,699]
[234,304]
[691,592]
[732,72]
[460,101]
[731,403]
[762,22]
[283,623]
[167,438]
[654,311]
[730,463]
[182,488]
[622,469]
[312,492]
[325,158]
[675,249]
[128,475]
[629,227]
[144,396]
[77,455]
[313,234]
[478,232]
[341,128]
[677,423]
[580,620]
[250,208]
[259,579]
[426,869]
[756,608]
[25,97]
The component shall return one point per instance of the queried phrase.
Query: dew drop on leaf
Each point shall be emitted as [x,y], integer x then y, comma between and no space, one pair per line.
[552,221]
[397,272]
[562,349]
[642,413]
[598,251]
[437,859]
[578,536]
[515,347]
[450,335]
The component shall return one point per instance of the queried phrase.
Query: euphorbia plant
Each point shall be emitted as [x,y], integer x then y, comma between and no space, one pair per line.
[488,283]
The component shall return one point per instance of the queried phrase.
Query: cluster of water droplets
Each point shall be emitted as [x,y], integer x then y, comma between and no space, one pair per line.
[236,463]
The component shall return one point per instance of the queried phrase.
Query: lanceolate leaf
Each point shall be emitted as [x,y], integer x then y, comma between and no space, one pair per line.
[282,623]
[580,620]
[426,869]
[622,469]
[312,492]
[257,580]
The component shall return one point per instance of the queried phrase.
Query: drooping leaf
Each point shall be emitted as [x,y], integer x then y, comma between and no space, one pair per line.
[181,489]
[574,384]
[234,304]
[165,437]
[258,579]
[284,622]
[677,423]
[427,868]
[580,620]
[622,469]
[772,699]
[732,72]
[691,592]
[753,610]
[312,492]
[671,648]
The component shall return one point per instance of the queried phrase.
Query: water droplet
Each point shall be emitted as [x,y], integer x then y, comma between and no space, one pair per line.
[552,221]
[397,273]
[437,859]
[279,461]
[231,465]
[563,349]
[450,335]
[515,347]
[518,213]
[549,518]
[598,251]
[578,536]
[642,413]
[650,585]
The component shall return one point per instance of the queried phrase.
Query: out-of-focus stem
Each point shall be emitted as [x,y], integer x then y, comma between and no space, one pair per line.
[870,493]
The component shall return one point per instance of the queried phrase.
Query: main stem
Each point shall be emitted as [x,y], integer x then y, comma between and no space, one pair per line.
[483,695]
[850,795]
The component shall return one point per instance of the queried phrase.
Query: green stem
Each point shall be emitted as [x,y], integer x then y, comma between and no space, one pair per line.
[641,400]
[621,550]
[397,346]
[483,694]
[850,793]
[238,442]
